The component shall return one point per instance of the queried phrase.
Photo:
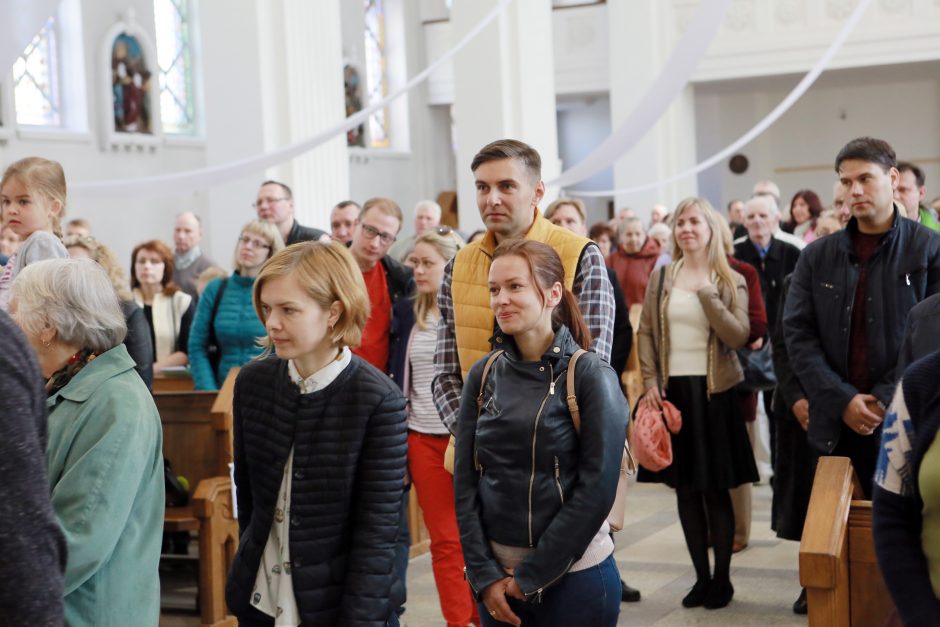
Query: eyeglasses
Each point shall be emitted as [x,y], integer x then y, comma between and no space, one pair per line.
[253,243]
[372,232]
[266,201]
[443,230]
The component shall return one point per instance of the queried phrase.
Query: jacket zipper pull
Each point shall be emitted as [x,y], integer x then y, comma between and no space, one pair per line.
[907,277]
[557,471]
[551,387]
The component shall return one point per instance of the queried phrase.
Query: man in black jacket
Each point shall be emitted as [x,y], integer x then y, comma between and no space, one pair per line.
[275,204]
[848,302]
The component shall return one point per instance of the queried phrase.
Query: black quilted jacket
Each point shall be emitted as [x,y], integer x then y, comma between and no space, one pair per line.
[350,444]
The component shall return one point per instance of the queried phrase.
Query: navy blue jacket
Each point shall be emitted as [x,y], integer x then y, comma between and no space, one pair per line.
[350,442]
[904,270]
[401,289]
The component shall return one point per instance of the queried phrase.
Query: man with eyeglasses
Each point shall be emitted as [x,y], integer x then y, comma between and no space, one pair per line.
[427,217]
[189,258]
[275,203]
[390,286]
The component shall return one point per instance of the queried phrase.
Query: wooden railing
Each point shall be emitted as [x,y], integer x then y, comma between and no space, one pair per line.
[837,557]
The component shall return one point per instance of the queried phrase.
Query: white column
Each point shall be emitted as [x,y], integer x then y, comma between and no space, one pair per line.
[302,82]
[642,35]
[504,88]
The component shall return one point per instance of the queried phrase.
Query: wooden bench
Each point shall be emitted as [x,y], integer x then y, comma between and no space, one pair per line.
[837,554]
[197,439]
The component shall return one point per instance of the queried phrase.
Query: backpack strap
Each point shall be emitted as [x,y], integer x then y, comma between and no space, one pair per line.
[486,371]
[572,398]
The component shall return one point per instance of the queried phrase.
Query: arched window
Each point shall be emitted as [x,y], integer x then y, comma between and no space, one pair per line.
[174,55]
[36,89]
[376,72]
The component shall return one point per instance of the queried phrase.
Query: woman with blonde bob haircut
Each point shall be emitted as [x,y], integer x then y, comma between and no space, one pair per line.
[695,314]
[320,444]
[104,452]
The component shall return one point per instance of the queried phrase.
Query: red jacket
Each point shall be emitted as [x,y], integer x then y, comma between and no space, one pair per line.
[633,270]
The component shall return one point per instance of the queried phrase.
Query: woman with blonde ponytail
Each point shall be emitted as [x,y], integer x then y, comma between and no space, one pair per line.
[32,203]
[694,315]
[532,490]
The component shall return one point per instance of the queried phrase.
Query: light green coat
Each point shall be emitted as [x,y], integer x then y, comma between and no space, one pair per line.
[105,460]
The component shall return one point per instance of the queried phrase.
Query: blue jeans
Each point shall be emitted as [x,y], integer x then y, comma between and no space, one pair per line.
[586,597]
[402,550]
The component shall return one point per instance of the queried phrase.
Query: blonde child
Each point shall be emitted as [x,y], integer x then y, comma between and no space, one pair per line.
[32,200]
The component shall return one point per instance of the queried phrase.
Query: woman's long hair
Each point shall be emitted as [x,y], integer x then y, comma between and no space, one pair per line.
[717,259]
[446,244]
[812,201]
[546,268]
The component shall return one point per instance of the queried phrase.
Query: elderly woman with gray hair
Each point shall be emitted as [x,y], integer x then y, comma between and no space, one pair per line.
[104,446]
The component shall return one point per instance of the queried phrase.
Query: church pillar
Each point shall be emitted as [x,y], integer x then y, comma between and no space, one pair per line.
[504,88]
[642,36]
[302,94]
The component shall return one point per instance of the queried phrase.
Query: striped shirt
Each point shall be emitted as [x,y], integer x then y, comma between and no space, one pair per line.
[422,414]
[595,297]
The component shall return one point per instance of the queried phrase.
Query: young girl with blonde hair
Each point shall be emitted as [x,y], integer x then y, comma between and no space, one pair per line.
[32,203]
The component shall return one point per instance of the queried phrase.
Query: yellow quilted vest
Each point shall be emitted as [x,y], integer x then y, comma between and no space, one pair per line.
[473,318]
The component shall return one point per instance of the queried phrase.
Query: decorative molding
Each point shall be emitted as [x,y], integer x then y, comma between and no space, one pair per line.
[790,12]
[896,6]
[740,16]
[839,9]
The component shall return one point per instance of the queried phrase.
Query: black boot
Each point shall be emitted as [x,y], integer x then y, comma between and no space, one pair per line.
[696,596]
[799,606]
[719,594]
[628,594]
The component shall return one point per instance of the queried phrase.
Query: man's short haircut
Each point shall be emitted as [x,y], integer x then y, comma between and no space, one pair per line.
[907,166]
[347,203]
[183,213]
[731,203]
[80,223]
[577,203]
[598,229]
[510,149]
[763,199]
[622,228]
[868,149]
[386,205]
[287,191]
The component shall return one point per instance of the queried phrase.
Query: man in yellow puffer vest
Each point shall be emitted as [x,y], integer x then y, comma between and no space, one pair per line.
[509,187]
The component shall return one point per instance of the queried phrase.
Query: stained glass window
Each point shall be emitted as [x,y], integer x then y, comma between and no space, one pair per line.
[376,71]
[36,81]
[174,56]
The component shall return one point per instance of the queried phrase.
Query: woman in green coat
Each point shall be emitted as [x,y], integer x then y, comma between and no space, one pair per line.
[104,452]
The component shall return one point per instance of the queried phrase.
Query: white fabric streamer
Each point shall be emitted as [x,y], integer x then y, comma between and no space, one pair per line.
[22,20]
[672,79]
[761,126]
[178,183]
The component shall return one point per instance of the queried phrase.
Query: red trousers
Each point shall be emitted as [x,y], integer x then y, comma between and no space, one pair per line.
[435,488]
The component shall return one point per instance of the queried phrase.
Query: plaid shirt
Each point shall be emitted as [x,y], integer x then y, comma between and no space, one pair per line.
[595,296]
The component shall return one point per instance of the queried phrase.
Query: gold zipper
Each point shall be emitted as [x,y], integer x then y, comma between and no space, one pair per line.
[535,430]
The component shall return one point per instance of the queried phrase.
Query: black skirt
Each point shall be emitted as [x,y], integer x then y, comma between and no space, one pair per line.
[793,479]
[712,451]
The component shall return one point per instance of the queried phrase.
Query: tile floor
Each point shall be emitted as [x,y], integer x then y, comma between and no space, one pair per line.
[652,556]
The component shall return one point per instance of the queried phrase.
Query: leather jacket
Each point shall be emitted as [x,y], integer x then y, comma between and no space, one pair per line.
[523,477]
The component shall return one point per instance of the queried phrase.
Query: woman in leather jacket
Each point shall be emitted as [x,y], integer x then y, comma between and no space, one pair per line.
[694,317]
[532,494]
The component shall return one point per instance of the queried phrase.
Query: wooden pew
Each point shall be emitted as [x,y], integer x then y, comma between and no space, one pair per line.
[838,568]
[197,439]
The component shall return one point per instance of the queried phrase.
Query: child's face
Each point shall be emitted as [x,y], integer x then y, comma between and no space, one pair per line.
[26,212]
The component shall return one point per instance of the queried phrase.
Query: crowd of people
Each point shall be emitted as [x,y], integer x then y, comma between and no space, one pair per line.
[370,361]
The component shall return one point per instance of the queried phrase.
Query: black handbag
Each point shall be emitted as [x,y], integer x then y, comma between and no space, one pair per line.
[213,350]
[758,367]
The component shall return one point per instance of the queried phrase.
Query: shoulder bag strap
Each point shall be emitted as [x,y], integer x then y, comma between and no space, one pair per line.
[486,372]
[659,324]
[572,398]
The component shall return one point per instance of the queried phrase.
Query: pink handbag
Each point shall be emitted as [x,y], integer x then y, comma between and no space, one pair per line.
[649,439]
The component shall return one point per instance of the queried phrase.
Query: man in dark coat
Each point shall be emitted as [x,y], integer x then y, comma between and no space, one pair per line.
[849,298]
[275,204]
